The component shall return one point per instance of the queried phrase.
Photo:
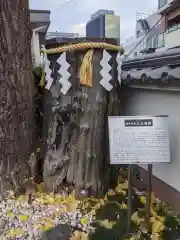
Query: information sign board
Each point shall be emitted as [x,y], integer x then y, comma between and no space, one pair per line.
[139,139]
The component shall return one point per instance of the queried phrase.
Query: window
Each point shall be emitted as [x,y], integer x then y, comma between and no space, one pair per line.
[161,3]
[138,34]
[160,40]
[149,42]
[173,28]
[173,24]
[155,42]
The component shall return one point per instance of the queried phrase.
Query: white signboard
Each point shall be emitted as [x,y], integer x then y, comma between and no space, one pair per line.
[138,139]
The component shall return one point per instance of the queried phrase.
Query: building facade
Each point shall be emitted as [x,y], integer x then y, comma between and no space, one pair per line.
[95,27]
[103,24]
[40,21]
[170,14]
[51,35]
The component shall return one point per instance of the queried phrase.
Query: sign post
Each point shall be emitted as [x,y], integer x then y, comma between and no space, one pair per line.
[129,211]
[139,140]
[149,199]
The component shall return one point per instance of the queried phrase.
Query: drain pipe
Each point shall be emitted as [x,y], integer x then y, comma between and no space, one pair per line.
[36,56]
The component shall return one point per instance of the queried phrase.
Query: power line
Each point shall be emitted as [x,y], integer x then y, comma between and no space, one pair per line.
[66,3]
[150,31]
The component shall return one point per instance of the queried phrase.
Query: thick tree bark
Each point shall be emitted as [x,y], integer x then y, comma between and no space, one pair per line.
[16,91]
[77,129]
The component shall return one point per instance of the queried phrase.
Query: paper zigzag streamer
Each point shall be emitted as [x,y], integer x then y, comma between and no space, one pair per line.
[105,71]
[119,60]
[64,74]
[48,70]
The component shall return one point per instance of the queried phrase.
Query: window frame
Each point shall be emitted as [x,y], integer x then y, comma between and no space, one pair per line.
[162,5]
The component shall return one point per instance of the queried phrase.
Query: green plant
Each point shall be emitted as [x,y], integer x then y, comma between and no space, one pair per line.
[170,221]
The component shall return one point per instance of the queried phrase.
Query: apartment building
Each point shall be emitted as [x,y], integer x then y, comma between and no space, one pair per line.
[145,30]
[164,35]
[146,35]
[170,14]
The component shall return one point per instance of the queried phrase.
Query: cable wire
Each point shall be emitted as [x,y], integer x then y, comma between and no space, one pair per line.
[66,3]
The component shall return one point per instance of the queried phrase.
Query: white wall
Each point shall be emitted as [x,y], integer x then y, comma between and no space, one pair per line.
[39,16]
[35,49]
[152,102]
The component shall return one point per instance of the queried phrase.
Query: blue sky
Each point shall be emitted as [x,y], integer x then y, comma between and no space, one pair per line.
[73,16]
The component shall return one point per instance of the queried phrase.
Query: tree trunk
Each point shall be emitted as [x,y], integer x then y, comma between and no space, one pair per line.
[77,129]
[16,92]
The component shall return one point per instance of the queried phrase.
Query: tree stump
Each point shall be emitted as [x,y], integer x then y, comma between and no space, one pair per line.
[75,127]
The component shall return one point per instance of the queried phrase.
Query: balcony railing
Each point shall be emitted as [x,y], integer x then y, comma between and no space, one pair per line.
[172,36]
